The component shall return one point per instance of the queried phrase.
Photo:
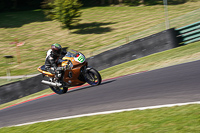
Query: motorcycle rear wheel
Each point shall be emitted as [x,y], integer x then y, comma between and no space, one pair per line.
[93,77]
[59,90]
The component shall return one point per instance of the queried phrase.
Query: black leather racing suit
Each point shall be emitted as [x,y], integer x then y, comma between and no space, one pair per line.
[51,63]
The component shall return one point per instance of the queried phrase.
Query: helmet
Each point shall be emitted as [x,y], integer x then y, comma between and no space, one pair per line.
[56,49]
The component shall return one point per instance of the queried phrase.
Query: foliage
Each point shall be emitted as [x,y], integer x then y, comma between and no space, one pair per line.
[64,11]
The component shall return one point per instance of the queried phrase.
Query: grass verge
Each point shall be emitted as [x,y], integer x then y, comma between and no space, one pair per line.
[181,119]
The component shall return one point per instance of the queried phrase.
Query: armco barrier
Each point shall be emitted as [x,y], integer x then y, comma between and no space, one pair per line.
[164,40]
[189,34]
[155,43]
[20,89]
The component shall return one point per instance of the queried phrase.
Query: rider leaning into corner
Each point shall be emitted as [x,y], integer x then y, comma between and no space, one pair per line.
[52,61]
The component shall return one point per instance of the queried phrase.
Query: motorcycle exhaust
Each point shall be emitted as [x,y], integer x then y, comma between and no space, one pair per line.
[51,83]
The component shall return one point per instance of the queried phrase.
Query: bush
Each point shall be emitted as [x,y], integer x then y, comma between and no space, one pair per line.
[64,11]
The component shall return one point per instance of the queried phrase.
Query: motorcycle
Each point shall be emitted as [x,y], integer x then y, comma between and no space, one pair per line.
[78,74]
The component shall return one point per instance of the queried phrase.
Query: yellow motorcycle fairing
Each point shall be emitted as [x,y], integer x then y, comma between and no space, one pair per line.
[46,73]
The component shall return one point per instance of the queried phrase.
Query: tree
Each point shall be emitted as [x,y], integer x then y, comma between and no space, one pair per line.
[64,11]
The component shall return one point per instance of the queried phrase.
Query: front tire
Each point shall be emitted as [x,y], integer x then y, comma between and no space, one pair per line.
[60,90]
[93,77]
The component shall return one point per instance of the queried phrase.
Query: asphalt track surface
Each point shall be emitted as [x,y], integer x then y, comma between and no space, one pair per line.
[175,84]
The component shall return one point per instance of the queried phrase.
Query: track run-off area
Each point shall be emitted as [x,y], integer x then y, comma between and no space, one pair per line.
[163,87]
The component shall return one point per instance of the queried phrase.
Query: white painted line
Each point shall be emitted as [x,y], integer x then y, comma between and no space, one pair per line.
[109,112]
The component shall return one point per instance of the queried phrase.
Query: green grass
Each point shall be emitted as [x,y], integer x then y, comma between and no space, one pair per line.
[179,119]
[99,27]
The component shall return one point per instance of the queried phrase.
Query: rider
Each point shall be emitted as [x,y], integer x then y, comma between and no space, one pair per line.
[51,62]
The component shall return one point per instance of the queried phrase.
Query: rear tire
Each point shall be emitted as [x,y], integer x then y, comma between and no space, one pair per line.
[93,77]
[60,90]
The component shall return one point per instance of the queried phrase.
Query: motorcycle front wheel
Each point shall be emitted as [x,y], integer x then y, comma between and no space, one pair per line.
[93,77]
[59,90]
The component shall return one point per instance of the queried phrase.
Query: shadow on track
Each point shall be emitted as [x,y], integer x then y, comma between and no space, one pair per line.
[87,87]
